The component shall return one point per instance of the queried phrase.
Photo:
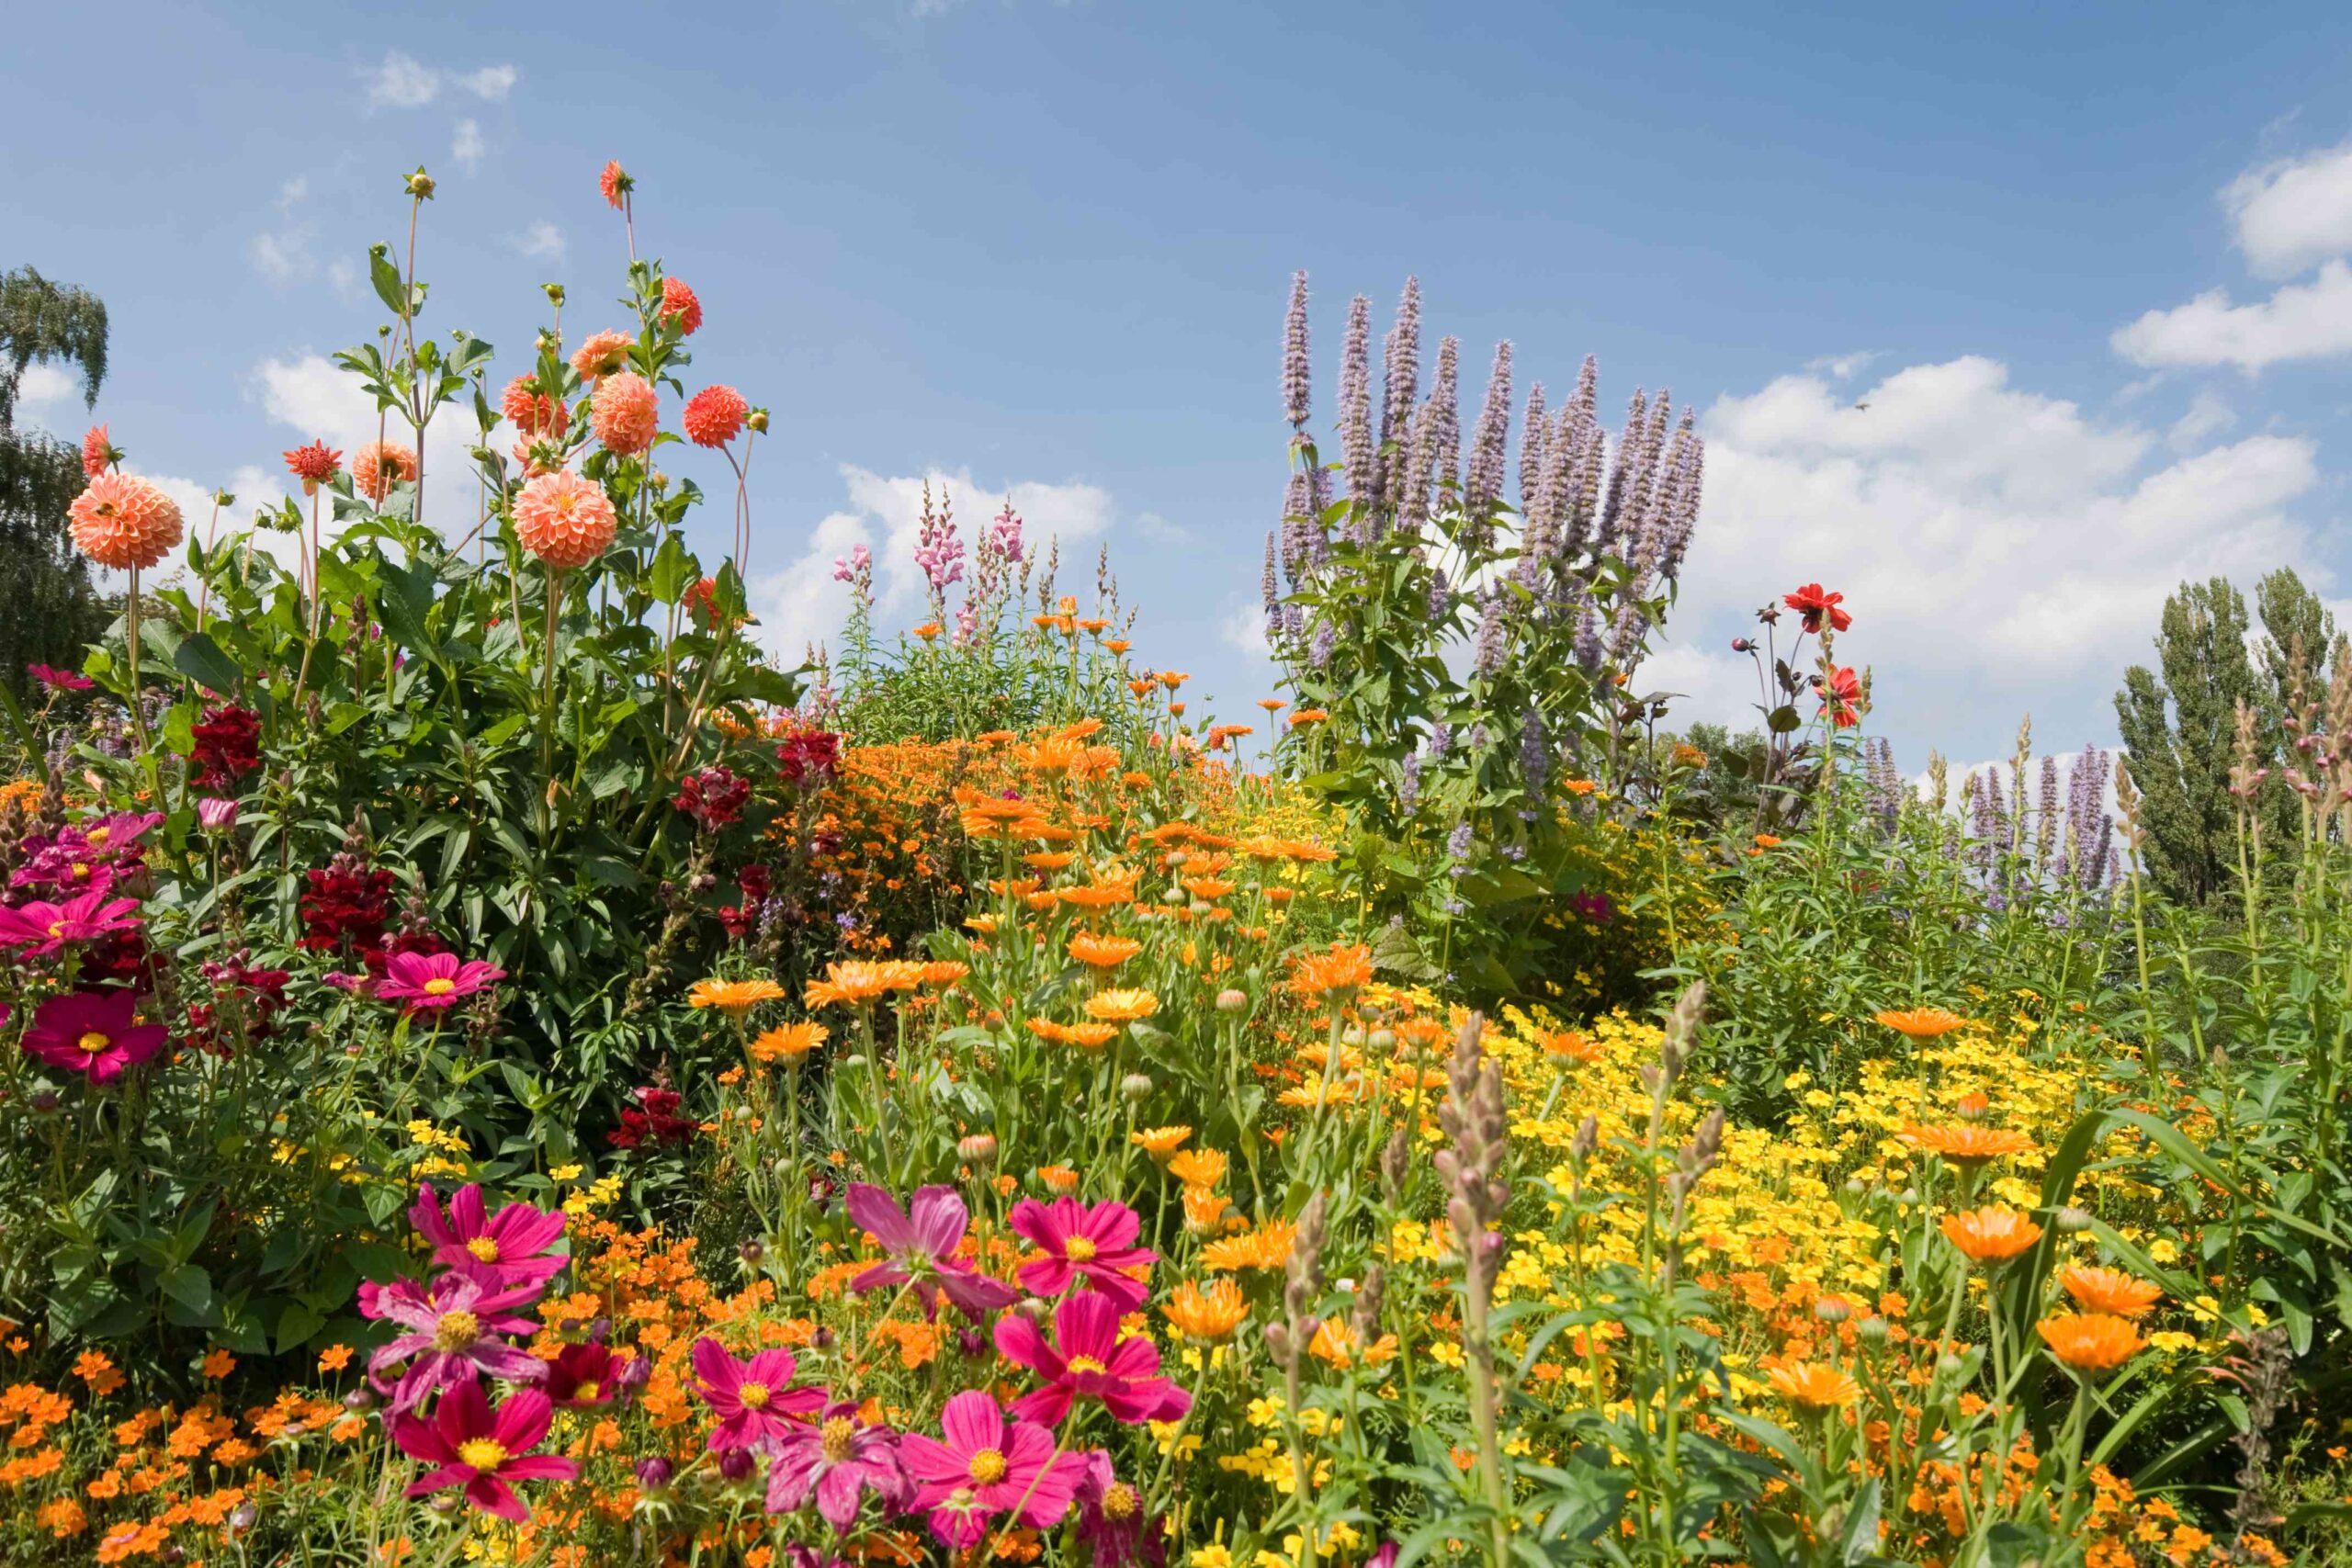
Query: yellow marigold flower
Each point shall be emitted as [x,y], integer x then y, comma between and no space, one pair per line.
[2109,1290]
[788,1042]
[1198,1168]
[1339,973]
[1122,1007]
[734,997]
[1104,952]
[2091,1341]
[1922,1023]
[1967,1146]
[1815,1387]
[1210,1315]
[1159,1142]
[1992,1235]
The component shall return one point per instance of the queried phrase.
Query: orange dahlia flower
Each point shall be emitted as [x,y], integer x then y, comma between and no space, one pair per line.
[715,416]
[602,354]
[564,519]
[380,464]
[679,305]
[121,522]
[625,413]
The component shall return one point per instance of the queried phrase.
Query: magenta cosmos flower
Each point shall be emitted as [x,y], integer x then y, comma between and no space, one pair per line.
[41,928]
[922,1241]
[456,1328]
[585,1376]
[94,1033]
[509,1248]
[1112,1522]
[753,1400]
[431,981]
[1088,1360]
[1098,1242]
[470,1445]
[987,1466]
[839,1459]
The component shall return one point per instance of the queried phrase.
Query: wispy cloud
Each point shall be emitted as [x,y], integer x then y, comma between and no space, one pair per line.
[467,148]
[284,253]
[540,241]
[404,82]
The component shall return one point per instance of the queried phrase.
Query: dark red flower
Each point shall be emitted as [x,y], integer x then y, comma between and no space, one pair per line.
[810,754]
[713,797]
[1815,605]
[228,747]
[654,1120]
[756,881]
[345,907]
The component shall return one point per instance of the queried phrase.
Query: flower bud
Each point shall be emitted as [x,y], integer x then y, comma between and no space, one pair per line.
[446,1503]
[2073,1221]
[1136,1087]
[1232,1000]
[757,421]
[243,1517]
[735,1465]
[359,1401]
[1949,1367]
[751,1252]
[1832,1309]
[554,293]
[653,1474]
[1873,1329]
[979,1149]
[420,184]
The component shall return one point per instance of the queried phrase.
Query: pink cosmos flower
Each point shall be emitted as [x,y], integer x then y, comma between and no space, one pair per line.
[1111,1521]
[431,981]
[58,679]
[94,1033]
[921,1242]
[1088,1360]
[455,1326]
[1096,1243]
[506,1249]
[753,1400]
[587,1375]
[625,413]
[987,1466]
[482,1449]
[42,927]
[837,1459]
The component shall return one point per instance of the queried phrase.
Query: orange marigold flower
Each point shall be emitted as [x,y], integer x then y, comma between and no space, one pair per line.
[2091,1341]
[787,1042]
[1209,1315]
[219,1363]
[380,464]
[1922,1023]
[1159,1142]
[1992,1235]
[1968,1146]
[734,997]
[1815,1387]
[1122,1007]
[1340,972]
[1198,1168]
[2109,1290]
[1104,952]
[335,1358]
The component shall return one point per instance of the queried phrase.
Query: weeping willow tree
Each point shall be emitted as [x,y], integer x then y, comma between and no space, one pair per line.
[50,609]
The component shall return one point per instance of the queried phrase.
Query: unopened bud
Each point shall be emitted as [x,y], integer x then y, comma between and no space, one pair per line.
[1232,1000]
[420,184]
[978,1149]
[751,1252]
[1832,1309]
[654,1473]
[2074,1220]
[757,420]
[554,293]
[1873,1329]
[1136,1087]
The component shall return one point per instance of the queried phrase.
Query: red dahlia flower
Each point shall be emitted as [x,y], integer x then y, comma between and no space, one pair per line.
[1815,606]
[1839,695]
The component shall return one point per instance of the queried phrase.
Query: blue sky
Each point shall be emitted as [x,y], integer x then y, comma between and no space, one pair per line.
[2085,263]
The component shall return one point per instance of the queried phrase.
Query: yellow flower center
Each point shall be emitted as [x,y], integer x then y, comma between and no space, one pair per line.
[99,835]
[1081,1249]
[1121,1502]
[754,1395]
[439,986]
[483,1248]
[839,1436]
[93,1041]
[1085,1364]
[588,1392]
[481,1455]
[988,1467]
[456,1331]
[56,928]
[81,869]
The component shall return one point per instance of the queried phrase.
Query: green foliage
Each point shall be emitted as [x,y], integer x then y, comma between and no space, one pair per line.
[51,608]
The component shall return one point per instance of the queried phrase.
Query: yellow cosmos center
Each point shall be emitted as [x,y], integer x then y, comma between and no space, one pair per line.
[988,1467]
[754,1395]
[456,1331]
[57,928]
[100,835]
[588,1392]
[1121,1502]
[481,1455]
[93,1041]
[1081,1249]
[439,986]
[1085,1364]
[839,1437]
[483,1248]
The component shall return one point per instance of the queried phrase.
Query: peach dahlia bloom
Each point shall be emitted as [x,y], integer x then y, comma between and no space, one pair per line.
[625,413]
[564,519]
[679,305]
[601,354]
[614,183]
[380,464]
[121,522]
[532,411]
[715,416]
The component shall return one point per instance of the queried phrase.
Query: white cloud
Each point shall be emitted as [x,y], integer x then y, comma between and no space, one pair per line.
[2294,213]
[1841,365]
[1992,542]
[1709,686]
[540,241]
[467,148]
[44,385]
[402,83]
[2209,415]
[800,604]
[1159,530]
[492,82]
[283,254]
[1243,629]
[2301,320]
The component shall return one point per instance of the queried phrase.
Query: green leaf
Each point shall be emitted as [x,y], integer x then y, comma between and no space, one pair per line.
[200,659]
[188,1285]
[674,571]
[386,279]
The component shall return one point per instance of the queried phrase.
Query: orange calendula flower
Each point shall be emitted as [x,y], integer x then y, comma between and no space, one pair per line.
[1968,1146]
[1992,1235]
[1209,1315]
[1568,1046]
[1578,786]
[733,998]
[1103,952]
[1171,679]
[928,630]
[1268,1247]
[1337,1343]
[1205,1211]
[1770,842]
[1815,1387]
[2109,1290]
[2091,1341]
[854,984]
[1305,716]
[1198,1168]
[788,1042]
[1086,1036]
[1058,1180]
[1117,644]
[1159,1142]
[1339,973]
[1922,1023]
[1122,1007]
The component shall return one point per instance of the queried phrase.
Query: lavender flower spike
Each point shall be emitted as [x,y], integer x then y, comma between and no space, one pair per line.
[1296,384]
